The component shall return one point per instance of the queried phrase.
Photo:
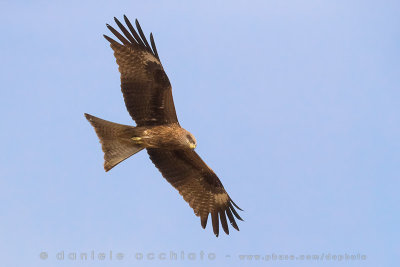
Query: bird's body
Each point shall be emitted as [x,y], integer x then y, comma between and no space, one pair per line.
[148,97]
[170,136]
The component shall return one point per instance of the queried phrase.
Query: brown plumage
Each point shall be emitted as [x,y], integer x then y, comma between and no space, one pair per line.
[148,98]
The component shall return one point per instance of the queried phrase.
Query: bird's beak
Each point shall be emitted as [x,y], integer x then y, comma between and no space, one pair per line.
[192,146]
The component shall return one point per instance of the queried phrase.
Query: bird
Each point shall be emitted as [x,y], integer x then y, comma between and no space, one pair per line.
[147,94]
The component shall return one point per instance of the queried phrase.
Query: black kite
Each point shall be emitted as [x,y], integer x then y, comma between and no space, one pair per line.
[148,98]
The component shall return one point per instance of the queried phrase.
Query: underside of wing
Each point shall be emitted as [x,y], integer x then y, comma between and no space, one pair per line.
[145,85]
[199,186]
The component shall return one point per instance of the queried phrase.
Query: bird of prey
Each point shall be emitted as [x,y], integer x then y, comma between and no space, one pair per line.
[147,94]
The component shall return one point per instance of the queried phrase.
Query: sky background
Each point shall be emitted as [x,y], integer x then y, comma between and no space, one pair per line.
[294,104]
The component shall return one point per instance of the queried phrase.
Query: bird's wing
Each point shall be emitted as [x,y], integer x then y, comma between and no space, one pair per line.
[144,83]
[198,184]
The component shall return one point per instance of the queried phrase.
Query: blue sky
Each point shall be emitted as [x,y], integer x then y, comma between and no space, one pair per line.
[294,104]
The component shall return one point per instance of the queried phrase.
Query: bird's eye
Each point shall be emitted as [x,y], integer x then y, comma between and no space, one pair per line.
[190,138]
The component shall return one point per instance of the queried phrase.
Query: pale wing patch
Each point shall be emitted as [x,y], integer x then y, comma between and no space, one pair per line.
[221,198]
[149,57]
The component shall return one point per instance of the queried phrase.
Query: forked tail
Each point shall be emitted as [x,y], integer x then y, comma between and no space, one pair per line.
[115,140]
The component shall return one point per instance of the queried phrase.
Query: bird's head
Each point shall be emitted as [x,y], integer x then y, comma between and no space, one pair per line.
[190,141]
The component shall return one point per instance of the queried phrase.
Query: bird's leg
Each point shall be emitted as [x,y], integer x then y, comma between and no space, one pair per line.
[137,140]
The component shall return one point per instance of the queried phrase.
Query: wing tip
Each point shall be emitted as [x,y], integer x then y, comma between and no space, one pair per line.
[219,216]
[140,39]
[215,222]
[111,40]
[234,212]
[236,206]
[203,220]
[222,218]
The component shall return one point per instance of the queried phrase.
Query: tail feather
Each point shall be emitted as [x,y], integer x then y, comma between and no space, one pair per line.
[115,140]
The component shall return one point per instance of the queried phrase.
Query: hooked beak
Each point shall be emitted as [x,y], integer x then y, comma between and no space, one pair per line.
[192,146]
